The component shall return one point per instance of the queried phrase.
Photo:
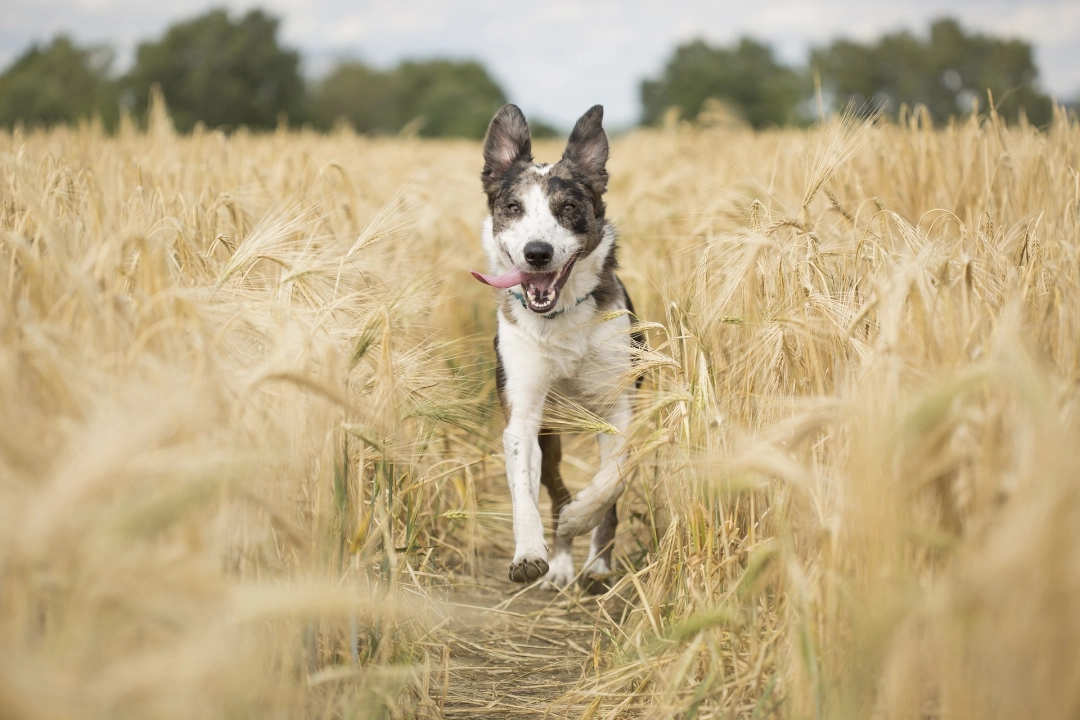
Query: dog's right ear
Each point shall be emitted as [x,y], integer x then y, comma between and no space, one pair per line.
[506,144]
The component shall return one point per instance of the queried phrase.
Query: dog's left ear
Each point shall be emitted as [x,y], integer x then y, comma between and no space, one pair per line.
[588,148]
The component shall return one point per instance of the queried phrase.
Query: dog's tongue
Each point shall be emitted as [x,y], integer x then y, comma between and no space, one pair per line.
[515,277]
[509,280]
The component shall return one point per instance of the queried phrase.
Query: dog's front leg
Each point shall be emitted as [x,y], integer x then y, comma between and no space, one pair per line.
[522,451]
[591,504]
[525,378]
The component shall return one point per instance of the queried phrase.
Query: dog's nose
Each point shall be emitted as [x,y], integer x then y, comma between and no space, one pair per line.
[538,254]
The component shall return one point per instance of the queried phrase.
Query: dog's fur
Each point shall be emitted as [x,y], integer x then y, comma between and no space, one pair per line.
[579,348]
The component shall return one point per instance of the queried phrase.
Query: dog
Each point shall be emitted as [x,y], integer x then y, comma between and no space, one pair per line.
[565,328]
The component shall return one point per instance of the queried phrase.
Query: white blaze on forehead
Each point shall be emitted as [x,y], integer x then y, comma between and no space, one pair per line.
[542,169]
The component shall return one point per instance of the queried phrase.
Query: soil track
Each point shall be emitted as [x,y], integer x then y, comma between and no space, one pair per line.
[515,652]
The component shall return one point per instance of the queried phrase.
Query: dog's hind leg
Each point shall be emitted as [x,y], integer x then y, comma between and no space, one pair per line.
[598,565]
[561,562]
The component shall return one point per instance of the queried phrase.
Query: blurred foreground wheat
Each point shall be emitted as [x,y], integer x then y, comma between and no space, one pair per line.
[246,418]
[222,408]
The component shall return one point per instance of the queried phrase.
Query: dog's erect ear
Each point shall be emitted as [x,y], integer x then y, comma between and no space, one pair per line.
[588,147]
[507,143]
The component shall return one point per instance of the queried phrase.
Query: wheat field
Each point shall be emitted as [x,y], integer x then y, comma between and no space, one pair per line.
[249,457]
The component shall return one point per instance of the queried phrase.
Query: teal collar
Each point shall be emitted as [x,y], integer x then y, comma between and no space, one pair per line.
[552,315]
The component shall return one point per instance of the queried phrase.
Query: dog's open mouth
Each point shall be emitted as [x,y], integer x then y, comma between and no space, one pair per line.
[541,289]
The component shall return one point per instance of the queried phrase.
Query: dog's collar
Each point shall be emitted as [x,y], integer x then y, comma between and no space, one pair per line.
[553,315]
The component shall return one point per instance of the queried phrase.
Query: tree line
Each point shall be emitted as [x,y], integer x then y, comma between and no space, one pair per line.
[226,72]
[223,71]
[946,71]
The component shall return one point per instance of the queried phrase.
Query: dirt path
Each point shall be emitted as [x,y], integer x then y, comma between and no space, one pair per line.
[515,653]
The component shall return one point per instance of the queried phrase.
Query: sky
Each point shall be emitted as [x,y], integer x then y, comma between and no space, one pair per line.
[558,57]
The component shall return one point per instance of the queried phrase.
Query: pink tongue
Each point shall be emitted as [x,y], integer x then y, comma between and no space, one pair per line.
[515,277]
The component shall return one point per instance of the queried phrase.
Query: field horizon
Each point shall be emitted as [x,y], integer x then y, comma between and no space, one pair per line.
[249,439]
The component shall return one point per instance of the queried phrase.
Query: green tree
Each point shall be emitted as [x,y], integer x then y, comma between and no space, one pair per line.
[357,93]
[945,72]
[444,98]
[58,83]
[746,77]
[453,98]
[222,72]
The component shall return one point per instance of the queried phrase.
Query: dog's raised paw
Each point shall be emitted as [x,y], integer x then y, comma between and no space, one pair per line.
[579,517]
[527,569]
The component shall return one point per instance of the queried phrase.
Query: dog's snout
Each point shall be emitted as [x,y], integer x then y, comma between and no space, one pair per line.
[538,254]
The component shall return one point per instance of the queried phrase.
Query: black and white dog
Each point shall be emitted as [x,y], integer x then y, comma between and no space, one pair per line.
[552,253]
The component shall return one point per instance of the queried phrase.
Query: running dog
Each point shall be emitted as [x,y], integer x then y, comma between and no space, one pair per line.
[552,254]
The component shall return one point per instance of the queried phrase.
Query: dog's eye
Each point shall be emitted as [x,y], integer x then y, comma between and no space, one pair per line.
[569,208]
[513,207]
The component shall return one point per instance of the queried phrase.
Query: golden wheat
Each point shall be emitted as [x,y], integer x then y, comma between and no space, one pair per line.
[247,422]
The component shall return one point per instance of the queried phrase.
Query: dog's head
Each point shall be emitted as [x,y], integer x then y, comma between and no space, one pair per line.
[544,217]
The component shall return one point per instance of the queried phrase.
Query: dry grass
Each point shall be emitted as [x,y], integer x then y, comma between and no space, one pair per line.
[247,446]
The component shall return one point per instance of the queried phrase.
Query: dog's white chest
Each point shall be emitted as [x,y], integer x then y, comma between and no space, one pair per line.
[567,358]
[578,359]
